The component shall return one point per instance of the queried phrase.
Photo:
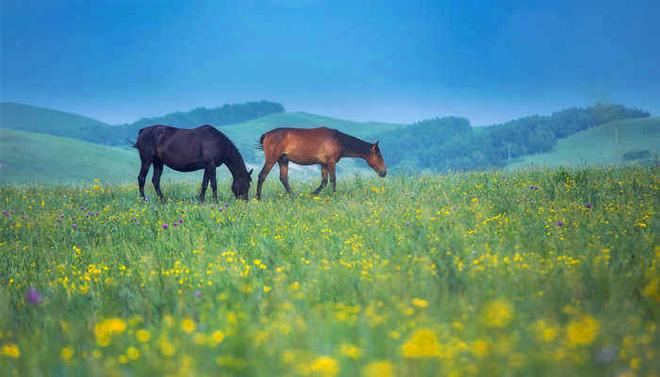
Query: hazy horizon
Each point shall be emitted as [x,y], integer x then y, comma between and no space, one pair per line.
[395,62]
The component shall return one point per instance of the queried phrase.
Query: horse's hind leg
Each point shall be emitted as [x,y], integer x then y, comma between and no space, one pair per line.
[324,180]
[155,179]
[214,183]
[142,177]
[333,175]
[284,173]
[262,176]
[205,184]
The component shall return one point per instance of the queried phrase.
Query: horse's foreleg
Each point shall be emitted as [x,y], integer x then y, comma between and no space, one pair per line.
[324,180]
[284,174]
[205,184]
[155,179]
[142,177]
[333,176]
[262,176]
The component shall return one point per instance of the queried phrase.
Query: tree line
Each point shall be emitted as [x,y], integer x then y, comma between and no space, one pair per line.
[451,144]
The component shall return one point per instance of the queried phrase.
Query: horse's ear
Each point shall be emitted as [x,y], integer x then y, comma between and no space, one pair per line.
[375,145]
[250,172]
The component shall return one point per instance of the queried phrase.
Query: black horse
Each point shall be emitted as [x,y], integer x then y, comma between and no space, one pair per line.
[189,150]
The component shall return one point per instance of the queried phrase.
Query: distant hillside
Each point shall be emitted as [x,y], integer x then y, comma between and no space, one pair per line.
[52,122]
[37,119]
[27,157]
[219,116]
[620,142]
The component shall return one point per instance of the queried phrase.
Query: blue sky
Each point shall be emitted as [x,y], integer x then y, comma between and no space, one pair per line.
[390,61]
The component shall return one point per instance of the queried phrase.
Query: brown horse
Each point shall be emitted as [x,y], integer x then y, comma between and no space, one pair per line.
[309,146]
[188,150]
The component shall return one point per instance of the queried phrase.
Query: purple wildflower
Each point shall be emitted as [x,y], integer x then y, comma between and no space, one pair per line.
[533,187]
[74,226]
[197,293]
[180,221]
[33,296]
[175,224]
[588,205]
[165,226]
[559,223]
[6,213]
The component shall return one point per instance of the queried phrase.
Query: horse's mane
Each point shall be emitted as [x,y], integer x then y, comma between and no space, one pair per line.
[352,143]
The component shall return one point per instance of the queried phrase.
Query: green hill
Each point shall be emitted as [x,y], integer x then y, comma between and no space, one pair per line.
[219,116]
[620,142]
[27,157]
[46,121]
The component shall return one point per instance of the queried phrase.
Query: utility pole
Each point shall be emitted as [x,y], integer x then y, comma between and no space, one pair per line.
[616,135]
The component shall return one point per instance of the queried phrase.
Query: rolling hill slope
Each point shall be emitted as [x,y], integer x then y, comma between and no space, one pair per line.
[601,145]
[46,121]
[27,157]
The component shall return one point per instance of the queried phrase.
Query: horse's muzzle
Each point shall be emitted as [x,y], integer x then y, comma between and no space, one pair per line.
[382,173]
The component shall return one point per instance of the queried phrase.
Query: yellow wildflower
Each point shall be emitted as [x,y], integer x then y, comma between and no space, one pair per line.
[350,351]
[324,366]
[143,335]
[480,348]
[420,303]
[66,354]
[217,337]
[188,325]
[544,331]
[11,350]
[652,289]
[381,368]
[583,331]
[166,348]
[132,353]
[422,343]
[106,329]
[497,313]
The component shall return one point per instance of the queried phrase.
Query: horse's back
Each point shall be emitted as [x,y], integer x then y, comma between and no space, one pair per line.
[301,145]
[293,134]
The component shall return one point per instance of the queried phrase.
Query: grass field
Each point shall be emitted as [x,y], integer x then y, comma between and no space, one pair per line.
[549,272]
[602,145]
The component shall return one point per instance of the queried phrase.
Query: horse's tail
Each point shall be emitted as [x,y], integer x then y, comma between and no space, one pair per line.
[130,142]
[260,145]
[135,144]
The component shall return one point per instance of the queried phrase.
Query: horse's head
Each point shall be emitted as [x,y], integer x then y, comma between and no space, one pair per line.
[241,186]
[375,160]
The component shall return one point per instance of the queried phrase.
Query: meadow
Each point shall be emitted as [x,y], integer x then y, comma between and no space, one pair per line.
[541,272]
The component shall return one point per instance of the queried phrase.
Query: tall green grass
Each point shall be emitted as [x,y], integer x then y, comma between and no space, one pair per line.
[549,272]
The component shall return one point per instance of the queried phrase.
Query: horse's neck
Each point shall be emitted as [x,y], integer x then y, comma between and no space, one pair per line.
[235,164]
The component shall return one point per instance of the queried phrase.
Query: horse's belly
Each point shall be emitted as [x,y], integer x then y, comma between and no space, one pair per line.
[306,159]
[184,167]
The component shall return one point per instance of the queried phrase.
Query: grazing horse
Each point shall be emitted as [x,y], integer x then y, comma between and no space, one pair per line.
[309,146]
[189,150]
